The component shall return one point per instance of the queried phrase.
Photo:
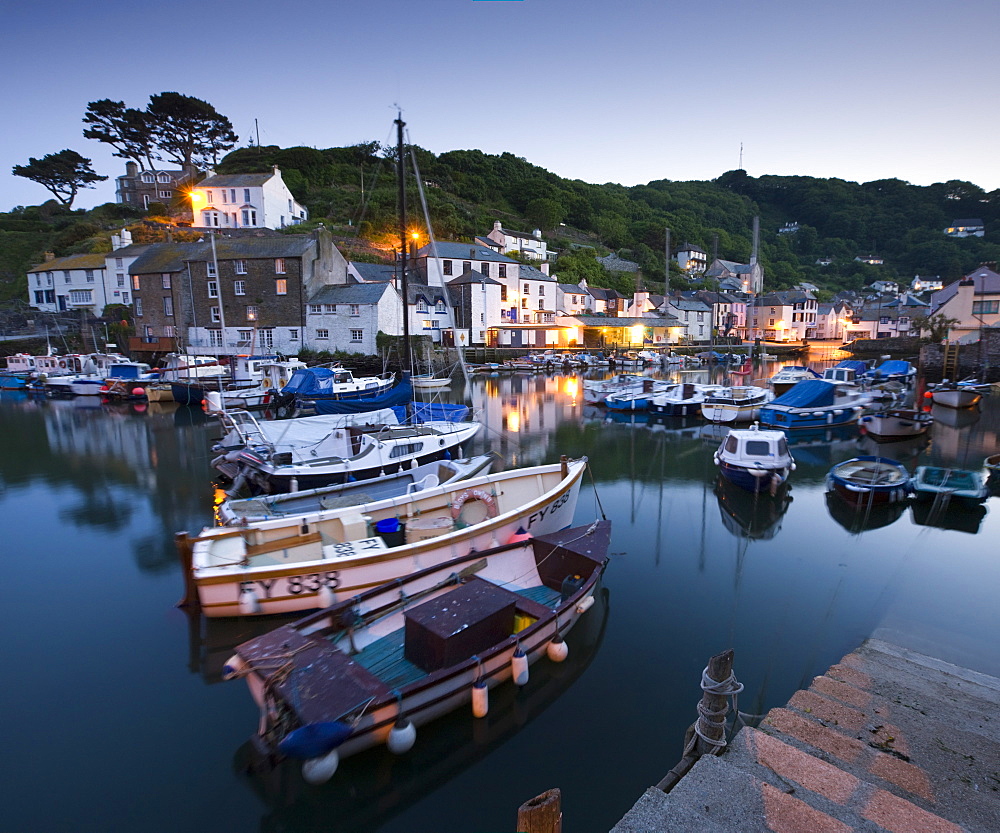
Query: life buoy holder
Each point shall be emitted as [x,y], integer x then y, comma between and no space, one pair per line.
[266,382]
[62,363]
[474,494]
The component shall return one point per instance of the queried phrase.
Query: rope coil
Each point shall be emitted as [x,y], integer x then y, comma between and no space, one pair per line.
[708,719]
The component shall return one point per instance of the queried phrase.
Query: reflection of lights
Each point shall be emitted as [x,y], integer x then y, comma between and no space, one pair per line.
[513,421]
[636,334]
[219,497]
[571,388]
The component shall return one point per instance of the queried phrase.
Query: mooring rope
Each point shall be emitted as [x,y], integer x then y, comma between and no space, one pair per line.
[730,688]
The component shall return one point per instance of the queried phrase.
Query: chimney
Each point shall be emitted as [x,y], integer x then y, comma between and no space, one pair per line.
[472,254]
[131,169]
[543,268]
[49,256]
[756,240]
[496,225]
[537,233]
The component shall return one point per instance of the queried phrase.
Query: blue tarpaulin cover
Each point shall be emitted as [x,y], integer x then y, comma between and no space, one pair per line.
[859,367]
[892,367]
[812,393]
[399,394]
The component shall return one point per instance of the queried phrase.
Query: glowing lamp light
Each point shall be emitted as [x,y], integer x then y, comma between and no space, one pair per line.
[195,196]
[513,422]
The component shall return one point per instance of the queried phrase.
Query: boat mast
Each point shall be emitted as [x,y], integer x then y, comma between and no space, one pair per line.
[403,285]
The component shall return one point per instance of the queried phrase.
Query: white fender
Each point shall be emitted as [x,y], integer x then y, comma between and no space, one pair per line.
[480,699]
[557,650]
[235,667]
[249,603]
[519,667]
[326,596]
[320,770]
[585,604]
[402,736]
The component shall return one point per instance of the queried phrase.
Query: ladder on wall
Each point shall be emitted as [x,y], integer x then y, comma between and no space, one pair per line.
[949,367]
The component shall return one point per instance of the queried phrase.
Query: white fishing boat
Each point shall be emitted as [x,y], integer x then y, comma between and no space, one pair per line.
[787,377]
[427,476]
[369,671]
[595,391]
[430,381]
[739,403]
[896,423]
[955,395]
[308,452]
[755,460]
[308,561]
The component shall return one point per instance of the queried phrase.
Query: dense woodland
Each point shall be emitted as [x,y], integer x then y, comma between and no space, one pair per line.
[352,190]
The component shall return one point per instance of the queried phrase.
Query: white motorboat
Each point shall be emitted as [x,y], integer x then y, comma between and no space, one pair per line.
[896,423]
[739,403]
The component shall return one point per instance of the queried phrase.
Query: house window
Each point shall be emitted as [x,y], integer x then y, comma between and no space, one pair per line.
[446,266]
[125,298]
[421,305]
[165,195]
[66,276]
[90,276]
[138,307]
[215,338]
[281,286]
[40,296]
[232,195]
[322,334]
[135,283]
[163,178]
[79,296]
[213,289]
[524,303]
[148,178]
[279,266]
[118,262]
[241,267]
[169,331]
[224,196]
[293,335]
[466,265]
[884,319]
[527,289]
[541,291]
[427,324]
[168,306]
[239,287]
[503,270]
[265,339]
[211,269]
[216,316]
[251,312]
[770,322]
[165,280]
[439,307]
[357,335]
[541,303]
[985,307]
[316,308]
[246,195]
[208,197]
[355,309]
[329,307]
[503,292]
[249,217]
[485,269]
[244,335]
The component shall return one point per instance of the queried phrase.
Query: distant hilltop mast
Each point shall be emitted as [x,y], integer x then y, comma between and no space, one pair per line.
[740,168]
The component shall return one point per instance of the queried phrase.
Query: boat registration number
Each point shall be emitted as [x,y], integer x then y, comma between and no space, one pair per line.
[293,585]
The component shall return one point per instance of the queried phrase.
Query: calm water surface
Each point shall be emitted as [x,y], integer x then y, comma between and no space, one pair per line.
[117,718]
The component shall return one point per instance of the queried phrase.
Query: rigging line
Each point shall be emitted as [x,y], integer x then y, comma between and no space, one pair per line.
[378,172]
[434,253]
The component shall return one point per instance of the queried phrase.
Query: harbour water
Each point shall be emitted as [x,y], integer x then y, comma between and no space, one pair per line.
[118,718]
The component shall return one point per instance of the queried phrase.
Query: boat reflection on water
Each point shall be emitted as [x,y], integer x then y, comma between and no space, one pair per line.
[903,450]
[212,641]
[862,517]
[944,515]
[753,515]
[378,785]
[955,417]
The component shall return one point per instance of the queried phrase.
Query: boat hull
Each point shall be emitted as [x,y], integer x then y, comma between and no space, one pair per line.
[754,480]
[858,487]
[360,563]
[891,425]
[956,398]
[820,417]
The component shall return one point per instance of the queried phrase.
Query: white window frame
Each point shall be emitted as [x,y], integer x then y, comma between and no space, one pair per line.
[239,287]
[213,289]
[240,267]
[357,336]
[215,314]
[322,334]
[279,266]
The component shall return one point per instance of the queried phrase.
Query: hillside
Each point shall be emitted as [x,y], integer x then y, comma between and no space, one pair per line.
[353,191]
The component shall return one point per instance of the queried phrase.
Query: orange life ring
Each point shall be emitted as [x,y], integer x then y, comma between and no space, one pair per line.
[62,363]
[475,494]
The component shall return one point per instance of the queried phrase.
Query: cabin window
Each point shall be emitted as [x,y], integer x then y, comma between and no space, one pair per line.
[758,448]
[782,447]
[405,450]
[731,445]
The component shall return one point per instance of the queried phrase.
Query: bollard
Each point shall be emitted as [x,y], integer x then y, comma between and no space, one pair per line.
[542,814]
[719,669]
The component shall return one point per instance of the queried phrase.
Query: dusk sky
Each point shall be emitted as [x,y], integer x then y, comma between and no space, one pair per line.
[602,91]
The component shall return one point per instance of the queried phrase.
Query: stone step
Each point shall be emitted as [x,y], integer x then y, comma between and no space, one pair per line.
[649,812]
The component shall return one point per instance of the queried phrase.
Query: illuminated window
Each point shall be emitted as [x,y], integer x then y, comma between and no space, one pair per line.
[251,312]
[281,286]
[135,283]
[279,266]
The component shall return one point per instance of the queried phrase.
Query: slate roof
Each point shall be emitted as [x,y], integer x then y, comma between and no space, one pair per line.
[282,245]
[602,294]
[984,280]
[169,257]
[350,293]
[235,180]
[375,271]
[464,251]
[728,266]
[431,294]
[690,305]
[530,273]
[87,261]
[644,321]
[473,276]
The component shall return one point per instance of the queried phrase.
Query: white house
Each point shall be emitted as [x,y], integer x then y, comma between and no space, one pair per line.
[919,284]
[693,315]
[831,320]
[966,228]
[530,245]
[449,260]
[349,316]
[691,258]
[67,283]
[886,286]
[245,201]
[475,299]
[785,316]
[573,299]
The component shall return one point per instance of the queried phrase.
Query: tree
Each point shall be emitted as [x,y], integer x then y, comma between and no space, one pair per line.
[63,173]
[125,129]
[188,130]
[545,213]
[936,326]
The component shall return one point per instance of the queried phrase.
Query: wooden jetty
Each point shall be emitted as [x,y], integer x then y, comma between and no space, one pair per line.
[886,740]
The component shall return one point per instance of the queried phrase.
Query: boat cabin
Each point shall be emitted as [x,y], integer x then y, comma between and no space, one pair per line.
[747,447]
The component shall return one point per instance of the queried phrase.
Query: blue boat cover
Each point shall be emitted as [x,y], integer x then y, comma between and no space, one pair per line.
[308,380]
[859,367]
[892,367]
[438,412]
[812,393]
[399,394]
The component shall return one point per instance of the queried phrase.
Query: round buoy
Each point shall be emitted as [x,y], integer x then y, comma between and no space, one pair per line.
[557,650]
[320,770]
[235,667]
[249,603]
[326,596]
[519,667]
[928,394]
[480,699]
[138,391]
[104,388]
[402,736]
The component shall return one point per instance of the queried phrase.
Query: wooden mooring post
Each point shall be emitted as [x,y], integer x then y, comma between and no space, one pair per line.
[711,722]
[541,814]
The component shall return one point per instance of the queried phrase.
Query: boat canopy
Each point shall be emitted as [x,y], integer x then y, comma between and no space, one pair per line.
[400,394]
[856,365]
[892,367]
[811,393]
[311,380]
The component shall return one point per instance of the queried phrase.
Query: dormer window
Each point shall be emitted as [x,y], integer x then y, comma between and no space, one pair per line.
[148,178]
[164,178]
